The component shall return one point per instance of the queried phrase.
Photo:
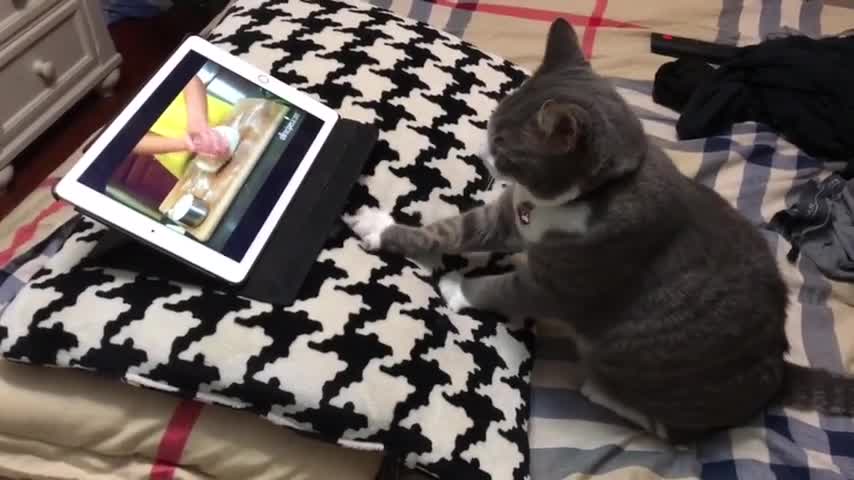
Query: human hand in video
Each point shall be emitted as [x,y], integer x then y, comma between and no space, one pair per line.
[201,138]
[208,141]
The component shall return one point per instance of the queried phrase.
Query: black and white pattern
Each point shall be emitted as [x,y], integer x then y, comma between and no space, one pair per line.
[370,356]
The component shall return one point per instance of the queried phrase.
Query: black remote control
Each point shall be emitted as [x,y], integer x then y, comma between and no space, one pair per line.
[678,47]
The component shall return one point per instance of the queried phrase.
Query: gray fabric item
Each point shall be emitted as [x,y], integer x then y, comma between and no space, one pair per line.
[821,226]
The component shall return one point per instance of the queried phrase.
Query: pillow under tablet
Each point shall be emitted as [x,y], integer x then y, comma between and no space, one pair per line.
[369,357]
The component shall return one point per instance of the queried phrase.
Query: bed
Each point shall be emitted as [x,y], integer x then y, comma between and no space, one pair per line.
[570,437]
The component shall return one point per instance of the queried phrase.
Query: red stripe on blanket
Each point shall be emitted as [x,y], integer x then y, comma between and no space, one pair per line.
[535,14]
[26,232]
[589,38]
[49,182]
[175,439]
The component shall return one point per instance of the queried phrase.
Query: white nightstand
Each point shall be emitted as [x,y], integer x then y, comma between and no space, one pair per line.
[52,53]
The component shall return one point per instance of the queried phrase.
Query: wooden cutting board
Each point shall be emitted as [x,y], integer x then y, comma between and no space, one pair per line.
[262,120]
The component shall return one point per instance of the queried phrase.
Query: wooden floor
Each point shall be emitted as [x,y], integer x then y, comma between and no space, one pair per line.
[144,44]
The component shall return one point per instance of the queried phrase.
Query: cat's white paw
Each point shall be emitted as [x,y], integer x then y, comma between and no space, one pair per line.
[369,224]
[451,287]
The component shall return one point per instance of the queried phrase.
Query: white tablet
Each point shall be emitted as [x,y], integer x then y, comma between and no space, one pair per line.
[204,161]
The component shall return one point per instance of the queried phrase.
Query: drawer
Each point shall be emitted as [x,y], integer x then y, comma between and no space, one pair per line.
[41,64]
[16,14]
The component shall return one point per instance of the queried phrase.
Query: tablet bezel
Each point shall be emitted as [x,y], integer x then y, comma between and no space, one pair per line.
[160,236]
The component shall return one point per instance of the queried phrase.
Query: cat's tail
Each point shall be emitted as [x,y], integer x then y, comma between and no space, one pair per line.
[820,390]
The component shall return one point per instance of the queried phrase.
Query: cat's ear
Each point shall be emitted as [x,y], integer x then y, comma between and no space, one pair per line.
[560,125]
[562,46]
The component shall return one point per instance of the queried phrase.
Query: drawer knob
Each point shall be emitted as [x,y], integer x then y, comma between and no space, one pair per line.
[19,4]
[44,70]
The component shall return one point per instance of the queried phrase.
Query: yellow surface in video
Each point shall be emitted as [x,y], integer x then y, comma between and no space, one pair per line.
[173,123]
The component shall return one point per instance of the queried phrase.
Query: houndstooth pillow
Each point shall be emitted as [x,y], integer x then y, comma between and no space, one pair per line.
[370,356]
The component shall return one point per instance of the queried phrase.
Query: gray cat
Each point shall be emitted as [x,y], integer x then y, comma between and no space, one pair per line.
[675,299]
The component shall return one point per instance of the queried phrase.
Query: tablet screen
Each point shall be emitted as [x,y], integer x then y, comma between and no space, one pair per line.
[208,154]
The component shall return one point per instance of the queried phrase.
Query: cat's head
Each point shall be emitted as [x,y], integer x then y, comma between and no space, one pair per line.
[566,130]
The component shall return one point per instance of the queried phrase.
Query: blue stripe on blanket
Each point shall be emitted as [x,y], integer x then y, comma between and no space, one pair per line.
[570,404]
[769,19]
[460,19]
[11,281]
[421,11]
[811,18]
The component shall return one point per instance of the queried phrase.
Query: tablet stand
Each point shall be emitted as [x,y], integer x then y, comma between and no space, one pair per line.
[296,242]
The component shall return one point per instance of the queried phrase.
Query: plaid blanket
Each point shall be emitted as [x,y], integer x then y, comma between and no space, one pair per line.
[752,167]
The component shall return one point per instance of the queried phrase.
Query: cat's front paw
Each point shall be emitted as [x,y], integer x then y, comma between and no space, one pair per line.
[369,224]
[451,287]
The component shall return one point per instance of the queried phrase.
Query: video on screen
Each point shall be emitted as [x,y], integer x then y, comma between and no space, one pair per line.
[212,160]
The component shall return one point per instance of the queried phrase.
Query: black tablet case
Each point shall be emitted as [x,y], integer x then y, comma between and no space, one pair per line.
[294,245]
